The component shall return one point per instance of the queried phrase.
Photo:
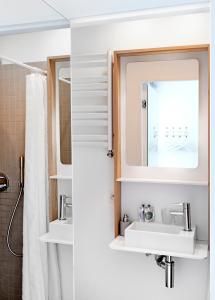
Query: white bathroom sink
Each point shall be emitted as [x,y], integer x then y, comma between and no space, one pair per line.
[160,237]
[60,232]
[61,229]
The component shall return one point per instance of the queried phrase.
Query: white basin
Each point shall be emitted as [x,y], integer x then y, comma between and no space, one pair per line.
[160,237]
[61,229]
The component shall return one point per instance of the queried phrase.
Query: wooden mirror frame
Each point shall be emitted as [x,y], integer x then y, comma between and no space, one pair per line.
[117,113]
[52,159]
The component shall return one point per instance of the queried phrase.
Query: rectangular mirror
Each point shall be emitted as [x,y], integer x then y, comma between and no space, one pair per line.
[64,112]
[162,113]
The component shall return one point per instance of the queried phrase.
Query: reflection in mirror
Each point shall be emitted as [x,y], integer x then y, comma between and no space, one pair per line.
[173,124]
[65,115]
[162,126]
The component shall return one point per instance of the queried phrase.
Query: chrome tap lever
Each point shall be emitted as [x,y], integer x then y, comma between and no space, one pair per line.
[186,213]
[63,204]
[142,213]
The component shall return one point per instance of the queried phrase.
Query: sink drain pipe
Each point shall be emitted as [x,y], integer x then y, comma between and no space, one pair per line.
[166,263]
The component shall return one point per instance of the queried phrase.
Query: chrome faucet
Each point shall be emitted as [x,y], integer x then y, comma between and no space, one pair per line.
[186,213]
[63,206]
[142,213]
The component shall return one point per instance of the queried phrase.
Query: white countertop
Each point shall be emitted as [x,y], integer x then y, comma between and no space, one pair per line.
[60,232]
[201,249]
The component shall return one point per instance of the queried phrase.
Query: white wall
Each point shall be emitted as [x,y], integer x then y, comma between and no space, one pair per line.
[32,47]
[212,194]
[36,46]
[100,273]
[66,252]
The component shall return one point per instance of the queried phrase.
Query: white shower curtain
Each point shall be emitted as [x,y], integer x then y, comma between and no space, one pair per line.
[35,220]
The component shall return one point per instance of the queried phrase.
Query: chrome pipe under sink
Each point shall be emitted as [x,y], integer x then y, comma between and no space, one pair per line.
[168,265]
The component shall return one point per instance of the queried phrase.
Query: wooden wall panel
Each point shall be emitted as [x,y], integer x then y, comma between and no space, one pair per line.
[52,162]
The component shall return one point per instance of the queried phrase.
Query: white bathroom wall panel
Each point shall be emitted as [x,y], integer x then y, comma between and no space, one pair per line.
[36,46]
[101,273]
[212,195]
[185,29]
[65,254]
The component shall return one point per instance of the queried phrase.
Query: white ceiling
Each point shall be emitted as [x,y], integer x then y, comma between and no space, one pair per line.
[73,9]
[25,11]
[18,15]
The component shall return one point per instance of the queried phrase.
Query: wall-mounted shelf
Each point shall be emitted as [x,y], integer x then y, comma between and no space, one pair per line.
[61,177]
[201,250]
[49,238]
[60,232]
[142,180]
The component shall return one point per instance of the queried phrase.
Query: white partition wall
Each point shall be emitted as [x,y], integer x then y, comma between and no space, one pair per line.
[99,273]
[212,194]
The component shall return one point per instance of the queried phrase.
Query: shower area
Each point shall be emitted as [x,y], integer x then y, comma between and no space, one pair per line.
[12,137]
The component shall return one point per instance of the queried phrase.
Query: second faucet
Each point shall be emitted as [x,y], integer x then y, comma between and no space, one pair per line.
[63,206]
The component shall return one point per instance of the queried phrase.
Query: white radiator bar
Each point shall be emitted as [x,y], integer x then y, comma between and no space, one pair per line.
[92,95]
[110,131]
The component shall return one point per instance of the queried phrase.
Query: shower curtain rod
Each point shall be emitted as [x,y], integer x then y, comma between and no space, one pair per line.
[18,63]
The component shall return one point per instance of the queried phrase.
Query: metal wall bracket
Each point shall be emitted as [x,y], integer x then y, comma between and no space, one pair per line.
[110,153]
